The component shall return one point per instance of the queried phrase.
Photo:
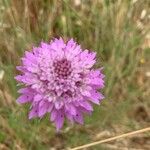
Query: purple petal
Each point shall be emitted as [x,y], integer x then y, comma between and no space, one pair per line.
[37,97]
[21,68]
[71,109]
[50,107]
[25,90]
[24,99]
[59,121]
[19,78]
[58,105]
[43,109]
[83,110]
[53,115]
[33,113]
[79,118]
[69,117]
[86,105]
[95,97]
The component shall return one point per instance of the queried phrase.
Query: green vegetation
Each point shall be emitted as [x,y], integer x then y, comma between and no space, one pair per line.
[116,29]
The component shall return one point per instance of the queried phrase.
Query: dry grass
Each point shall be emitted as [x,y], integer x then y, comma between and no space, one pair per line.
[117,30]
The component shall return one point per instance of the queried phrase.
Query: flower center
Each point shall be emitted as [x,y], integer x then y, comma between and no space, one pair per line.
[62,68]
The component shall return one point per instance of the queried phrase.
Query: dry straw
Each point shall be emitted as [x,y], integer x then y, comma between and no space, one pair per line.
[111,139]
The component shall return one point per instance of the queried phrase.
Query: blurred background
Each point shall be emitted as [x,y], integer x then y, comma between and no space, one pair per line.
[118,31]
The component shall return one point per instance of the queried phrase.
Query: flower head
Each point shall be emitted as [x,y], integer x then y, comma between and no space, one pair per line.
[59,79]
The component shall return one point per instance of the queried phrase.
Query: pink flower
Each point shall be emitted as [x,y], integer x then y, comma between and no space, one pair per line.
[59,79]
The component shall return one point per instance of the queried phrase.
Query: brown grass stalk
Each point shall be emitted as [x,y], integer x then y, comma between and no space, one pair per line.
[112,138]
